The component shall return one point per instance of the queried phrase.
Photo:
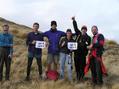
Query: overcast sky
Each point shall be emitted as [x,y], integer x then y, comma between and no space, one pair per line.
[103,13]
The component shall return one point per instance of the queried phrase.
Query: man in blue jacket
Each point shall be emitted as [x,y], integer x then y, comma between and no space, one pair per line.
[53,36]
[32,37]
[6,51]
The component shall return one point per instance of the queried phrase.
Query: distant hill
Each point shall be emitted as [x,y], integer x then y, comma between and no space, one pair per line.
[2,21]
[19,63]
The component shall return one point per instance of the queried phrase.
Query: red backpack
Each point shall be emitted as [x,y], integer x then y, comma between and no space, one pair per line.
[52,74]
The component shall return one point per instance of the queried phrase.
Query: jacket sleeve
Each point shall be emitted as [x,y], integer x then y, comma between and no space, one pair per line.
[88,41]
[63,34]
[77,31]
[45,34]
[61,41]
[42,37]
[11,43]
[100,41]
[28,42]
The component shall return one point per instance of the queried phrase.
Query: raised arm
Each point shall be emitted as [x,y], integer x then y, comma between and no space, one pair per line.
[77,31]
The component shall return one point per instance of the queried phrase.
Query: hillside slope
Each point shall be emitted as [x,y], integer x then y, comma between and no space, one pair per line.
[19,63]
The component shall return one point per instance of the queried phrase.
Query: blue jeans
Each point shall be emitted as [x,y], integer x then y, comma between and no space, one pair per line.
[65,58]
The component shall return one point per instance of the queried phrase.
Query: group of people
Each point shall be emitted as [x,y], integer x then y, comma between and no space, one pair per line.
[58,51]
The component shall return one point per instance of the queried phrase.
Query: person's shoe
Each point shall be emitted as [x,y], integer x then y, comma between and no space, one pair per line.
[71,82]
[61,77]
[105,75]
[27,79]
[7,79]
[77,81]
[0,79]
[100,82]
[94,83]
[40,77]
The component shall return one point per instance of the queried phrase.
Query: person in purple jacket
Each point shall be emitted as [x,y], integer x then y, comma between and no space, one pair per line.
[53,36]
[32,37]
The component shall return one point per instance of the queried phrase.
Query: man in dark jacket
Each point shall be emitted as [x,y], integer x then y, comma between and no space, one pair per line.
[53,36]
[83,40]
[32,37]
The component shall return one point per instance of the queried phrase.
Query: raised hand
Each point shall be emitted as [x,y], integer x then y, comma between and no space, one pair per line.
[33,42]
[73,18]
[63,43]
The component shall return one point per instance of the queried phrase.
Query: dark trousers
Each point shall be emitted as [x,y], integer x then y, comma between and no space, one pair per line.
[4,59]
[80,63]
[39,63]
[96,70]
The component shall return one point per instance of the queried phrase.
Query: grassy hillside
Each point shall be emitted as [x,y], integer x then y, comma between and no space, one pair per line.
[19,63]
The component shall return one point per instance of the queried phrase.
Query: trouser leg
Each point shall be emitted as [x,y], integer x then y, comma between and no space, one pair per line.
[1,67]
[69,66]
[56,62]
[93,70]
[30,59]
[62,64]
[77,65]
[7,64]
[39,63]
[99,71]
[1,63]
[49,61]
[82,66]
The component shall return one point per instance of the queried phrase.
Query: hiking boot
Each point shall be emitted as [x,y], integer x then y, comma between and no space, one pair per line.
[40,77]
[100,83]
[0,80]
[27,79]
[94,82]
[7,79]
[71,82]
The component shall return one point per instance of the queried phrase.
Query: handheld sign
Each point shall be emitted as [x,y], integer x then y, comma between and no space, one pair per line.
[40,44]
[72,45]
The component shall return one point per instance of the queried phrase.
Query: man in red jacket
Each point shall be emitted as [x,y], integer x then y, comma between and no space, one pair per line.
[95,59]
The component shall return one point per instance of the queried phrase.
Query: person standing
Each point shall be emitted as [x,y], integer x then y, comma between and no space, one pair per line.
[31,40]
[95,60]
[83,40]
[66,55]
[6,51]
[53,36]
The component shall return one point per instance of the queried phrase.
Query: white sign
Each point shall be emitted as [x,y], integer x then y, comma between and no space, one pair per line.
[72,45]
[40,44]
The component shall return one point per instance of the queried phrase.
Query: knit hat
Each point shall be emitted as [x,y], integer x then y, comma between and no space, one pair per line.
[84,27]
[68,30]
[53,23]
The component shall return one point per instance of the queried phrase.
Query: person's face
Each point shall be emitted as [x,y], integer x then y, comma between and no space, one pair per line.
[69,34]
[94,30]
[53,26]
[6,28]
[84,31]
[35,27]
